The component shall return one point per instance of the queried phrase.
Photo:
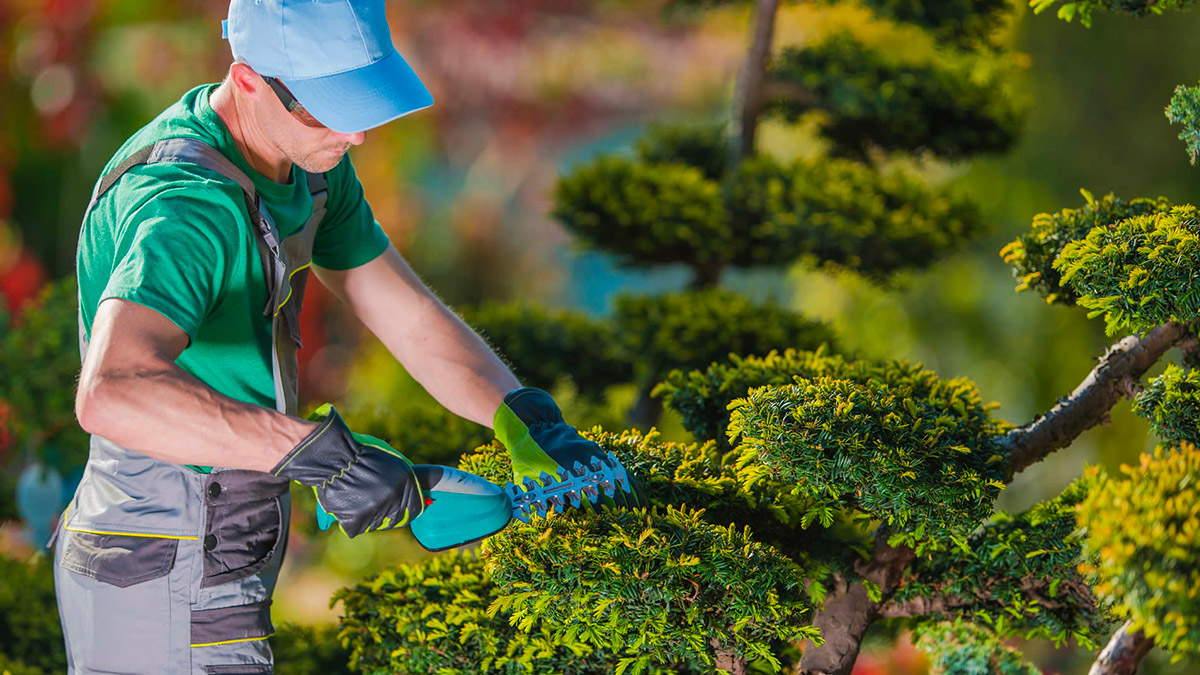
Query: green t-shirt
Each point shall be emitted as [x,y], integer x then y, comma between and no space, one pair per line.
[175,238]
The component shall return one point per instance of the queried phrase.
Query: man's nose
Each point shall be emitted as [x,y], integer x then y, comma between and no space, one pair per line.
[355,139]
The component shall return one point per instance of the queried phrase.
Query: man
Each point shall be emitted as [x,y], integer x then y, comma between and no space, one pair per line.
[192,263]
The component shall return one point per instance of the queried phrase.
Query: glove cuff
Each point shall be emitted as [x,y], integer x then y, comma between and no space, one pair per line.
[321,454]
[532,406]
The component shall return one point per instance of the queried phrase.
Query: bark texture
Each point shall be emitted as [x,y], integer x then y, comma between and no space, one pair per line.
[1115,377]
[1123,653]
[749,93]
[849,610]
[728,661]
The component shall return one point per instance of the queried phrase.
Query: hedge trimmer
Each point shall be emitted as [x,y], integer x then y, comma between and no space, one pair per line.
[461,507]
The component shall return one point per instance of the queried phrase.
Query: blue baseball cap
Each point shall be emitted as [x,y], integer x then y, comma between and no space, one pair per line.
[335,56]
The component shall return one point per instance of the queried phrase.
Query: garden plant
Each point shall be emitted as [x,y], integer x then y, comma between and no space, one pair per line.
[825,494]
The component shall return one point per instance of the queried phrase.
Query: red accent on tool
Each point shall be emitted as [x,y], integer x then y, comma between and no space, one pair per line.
[428,501]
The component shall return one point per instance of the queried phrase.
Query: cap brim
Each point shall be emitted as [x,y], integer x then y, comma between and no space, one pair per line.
[364,98]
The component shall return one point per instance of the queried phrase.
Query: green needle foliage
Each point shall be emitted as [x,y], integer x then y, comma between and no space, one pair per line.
[707,557]
[669,206]
[1033,254]
[701,589]
[1142,544]
[40,361]
[843,213]
[874,101]
[928,466]
[692,329]
[702,146]
[1140,273]
[1171,402]
[303,650]
[1018,575]
[544,345]
[434,618]
[648,214]
[961,648]
[1185,109]
[702,398]
[965,23]
[1067,11]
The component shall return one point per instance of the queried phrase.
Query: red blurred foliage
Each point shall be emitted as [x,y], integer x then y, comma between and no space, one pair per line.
[20,282]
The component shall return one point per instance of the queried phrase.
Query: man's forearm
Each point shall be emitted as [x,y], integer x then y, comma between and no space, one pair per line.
[450,361]
[165,413]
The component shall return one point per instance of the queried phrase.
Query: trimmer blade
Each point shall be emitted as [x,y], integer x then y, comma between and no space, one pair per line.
[599,477]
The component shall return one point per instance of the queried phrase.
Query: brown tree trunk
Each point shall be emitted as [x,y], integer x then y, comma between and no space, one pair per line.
[748,93]
[848,611]
[647,410]
[728,661]
[1124,652]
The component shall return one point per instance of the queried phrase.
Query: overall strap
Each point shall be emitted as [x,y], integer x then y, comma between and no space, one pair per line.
[195,151]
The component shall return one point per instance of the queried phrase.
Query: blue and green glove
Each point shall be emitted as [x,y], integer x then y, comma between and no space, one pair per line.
[530,425]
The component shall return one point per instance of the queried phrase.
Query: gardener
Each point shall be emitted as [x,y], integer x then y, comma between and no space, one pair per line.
[192,262]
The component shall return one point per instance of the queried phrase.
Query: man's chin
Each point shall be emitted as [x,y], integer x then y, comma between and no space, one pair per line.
[320,162]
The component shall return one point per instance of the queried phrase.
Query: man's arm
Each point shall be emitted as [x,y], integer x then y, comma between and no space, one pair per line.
[131,392]
[440,351]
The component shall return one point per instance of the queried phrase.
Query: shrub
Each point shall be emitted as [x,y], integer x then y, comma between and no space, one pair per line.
[1141,539]
[1032,254]
[30,631]
[928,465]
[1138,274]
[1171,402]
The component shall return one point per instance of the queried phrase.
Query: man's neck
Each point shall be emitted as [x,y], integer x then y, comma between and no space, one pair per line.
[259,153]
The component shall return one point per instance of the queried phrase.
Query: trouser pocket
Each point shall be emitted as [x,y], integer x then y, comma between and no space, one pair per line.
[115,599]
[121,560]
[244,524]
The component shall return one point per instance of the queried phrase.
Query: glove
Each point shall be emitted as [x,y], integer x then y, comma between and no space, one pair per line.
[460,508]
[359,480]
[530,424]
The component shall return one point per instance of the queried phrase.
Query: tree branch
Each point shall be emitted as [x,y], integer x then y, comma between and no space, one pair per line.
[728,661]
[748,94]
[1124,652]
[849,611]
[1070,591]
[1114,377]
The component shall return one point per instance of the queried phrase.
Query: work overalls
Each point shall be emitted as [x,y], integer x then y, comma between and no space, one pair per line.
[161,568]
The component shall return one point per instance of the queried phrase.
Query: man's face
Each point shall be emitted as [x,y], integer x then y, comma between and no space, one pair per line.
[308,144]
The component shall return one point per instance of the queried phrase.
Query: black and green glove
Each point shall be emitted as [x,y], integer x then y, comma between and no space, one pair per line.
[530,425]
[359,479]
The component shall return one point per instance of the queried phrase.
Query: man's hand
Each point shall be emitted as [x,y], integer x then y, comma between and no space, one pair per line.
[359,479]
[530,424]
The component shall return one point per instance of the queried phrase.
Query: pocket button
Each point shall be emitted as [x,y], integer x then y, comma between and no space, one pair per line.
[210,542]
[214,490]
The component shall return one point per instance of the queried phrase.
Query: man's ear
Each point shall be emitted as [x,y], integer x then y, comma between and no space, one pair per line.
[246,80]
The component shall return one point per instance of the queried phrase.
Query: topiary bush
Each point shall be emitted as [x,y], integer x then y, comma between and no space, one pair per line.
[1139,273]
[544,346]
[876,102]
[1032,254]
[302,650]
[435,618]
[1171,402]
[693,329]
[1142,533]
[924,458]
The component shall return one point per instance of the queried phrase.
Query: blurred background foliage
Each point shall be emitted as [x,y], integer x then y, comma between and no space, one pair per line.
[527,90]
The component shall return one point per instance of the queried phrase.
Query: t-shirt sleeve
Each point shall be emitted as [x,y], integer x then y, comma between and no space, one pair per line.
[349,235]
[175,256]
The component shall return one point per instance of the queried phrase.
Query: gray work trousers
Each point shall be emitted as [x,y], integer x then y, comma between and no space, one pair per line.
[192,605]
